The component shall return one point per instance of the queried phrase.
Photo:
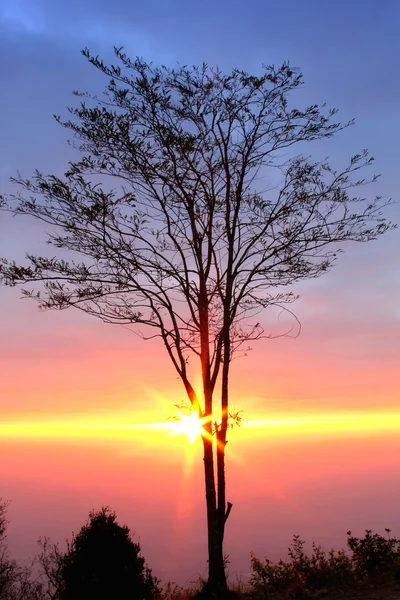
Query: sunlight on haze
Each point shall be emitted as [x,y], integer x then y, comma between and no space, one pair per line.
[116,427]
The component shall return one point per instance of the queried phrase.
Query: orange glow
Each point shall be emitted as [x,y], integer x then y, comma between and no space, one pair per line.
[339,422]
[121,427]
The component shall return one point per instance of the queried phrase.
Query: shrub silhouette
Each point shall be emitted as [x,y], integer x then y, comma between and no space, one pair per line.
[373,559]
[302,573]
[375,556]
[103,563]
[16,581]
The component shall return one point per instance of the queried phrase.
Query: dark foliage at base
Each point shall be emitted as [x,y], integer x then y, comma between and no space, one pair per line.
[372,560]
[103,563]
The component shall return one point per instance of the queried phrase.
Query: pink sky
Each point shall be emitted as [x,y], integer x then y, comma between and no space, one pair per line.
[61,367]
[316,488]
[65,367]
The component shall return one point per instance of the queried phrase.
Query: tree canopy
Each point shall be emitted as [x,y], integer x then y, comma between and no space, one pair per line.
[193,223]
[103,563]
[191,208]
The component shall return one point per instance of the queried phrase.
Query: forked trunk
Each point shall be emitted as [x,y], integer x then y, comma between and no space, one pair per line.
[217,584]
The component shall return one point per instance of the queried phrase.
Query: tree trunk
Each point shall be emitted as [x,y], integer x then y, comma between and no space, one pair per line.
[217,584]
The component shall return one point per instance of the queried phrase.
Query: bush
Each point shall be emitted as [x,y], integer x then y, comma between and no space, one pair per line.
[302,573]
[375,556]
[373,559]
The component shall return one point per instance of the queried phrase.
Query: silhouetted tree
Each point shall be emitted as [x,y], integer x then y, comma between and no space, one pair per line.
[50,563]
[103,563]
[8,567]
[16,581]
[196,239]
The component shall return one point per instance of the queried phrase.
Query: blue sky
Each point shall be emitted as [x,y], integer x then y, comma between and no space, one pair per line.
[348,52]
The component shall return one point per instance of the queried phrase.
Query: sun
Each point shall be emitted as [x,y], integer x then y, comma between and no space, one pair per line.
[191,426]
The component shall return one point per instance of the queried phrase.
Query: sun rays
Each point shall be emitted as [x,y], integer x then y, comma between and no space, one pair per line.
[189,428]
